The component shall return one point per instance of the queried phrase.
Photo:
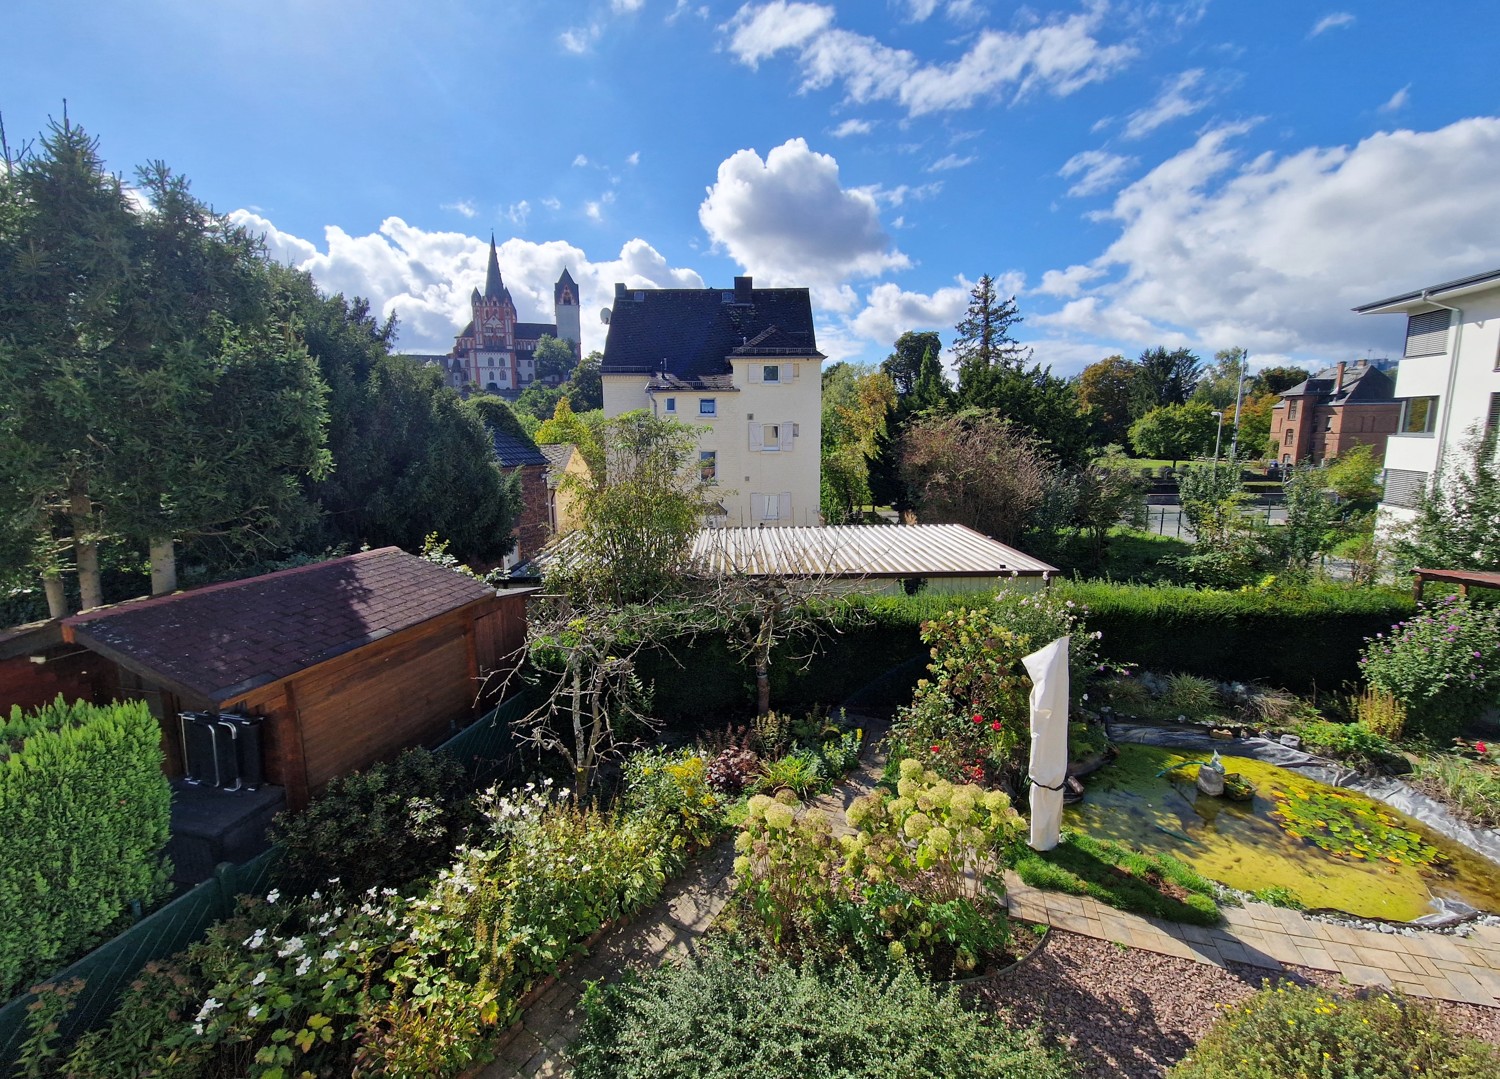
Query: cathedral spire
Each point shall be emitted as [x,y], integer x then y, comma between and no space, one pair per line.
[493,287]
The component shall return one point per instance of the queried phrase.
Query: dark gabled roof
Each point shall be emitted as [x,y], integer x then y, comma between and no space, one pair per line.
[691,333]
[514,448]
[494,287]
[1363,384]
[565,281]
[224,640]
[558,455]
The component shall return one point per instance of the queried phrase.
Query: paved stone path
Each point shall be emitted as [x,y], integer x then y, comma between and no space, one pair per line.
[1427,964]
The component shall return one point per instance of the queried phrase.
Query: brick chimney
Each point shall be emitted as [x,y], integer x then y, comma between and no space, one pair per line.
[1338,381]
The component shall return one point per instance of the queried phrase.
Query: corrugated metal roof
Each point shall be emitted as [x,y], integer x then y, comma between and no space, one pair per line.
[849,551]
[880,551]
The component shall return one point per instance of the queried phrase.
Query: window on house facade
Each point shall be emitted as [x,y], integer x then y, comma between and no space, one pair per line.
[1419,415]
[771,372]
[671,404]
[1291,409]
[1492,420]
[772,437]
[708,406]
[1427,333]
[1328,423]
[1403,486]
[708,466]
[777,507]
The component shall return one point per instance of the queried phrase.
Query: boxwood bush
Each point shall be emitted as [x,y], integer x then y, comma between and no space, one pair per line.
[86,810]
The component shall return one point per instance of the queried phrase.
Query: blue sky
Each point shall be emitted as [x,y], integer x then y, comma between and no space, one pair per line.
[1205,173]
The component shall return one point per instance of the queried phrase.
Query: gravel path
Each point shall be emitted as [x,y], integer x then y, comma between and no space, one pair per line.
[1133,1014]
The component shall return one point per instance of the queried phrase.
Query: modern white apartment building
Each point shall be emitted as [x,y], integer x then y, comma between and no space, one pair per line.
[1448,381]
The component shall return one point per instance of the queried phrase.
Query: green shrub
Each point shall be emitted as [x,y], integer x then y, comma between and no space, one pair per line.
[1122,878]
[671,787]
[1440,664]
[1351,742]
[1380,712]
[1299,639]
[1290,1030]
[86,810]
[387,826]
[1191,696]
[800,772]
[723,1018]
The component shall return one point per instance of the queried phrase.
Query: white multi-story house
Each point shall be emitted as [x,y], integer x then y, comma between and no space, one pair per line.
[1448,381]
[741,364]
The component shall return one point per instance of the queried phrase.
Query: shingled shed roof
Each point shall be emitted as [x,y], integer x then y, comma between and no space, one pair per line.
[690,333]
[513,450]
[224,640]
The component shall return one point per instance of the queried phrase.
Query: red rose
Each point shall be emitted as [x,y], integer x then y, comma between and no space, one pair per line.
[937,749]
[995,726]
[1481,747]
[978,719]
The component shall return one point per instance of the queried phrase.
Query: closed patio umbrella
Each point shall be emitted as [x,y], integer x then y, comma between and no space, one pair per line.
[1048,668]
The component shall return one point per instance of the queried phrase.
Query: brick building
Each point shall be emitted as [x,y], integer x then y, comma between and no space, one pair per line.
[1338,408]
[516,453]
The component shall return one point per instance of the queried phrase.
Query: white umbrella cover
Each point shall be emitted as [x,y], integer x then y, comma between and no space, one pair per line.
[1048,669]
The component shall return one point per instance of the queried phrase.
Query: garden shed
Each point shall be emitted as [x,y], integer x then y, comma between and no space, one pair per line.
[347,661]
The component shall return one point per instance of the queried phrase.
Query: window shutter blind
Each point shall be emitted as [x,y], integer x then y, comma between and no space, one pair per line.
[784,434]
[1402,486]
[757,507]
[756,442]
[1493,420]
[784,506]
[1427,333]
[755,372]
[787,372]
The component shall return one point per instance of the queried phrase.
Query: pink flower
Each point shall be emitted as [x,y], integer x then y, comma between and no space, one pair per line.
[995,726]
[978,719]
[937,749]
[1483,749]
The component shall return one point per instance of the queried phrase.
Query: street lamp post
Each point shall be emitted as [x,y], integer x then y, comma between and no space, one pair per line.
[1239,391]
[1218,434]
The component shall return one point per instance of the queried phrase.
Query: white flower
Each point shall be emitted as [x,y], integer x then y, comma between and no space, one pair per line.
[331,954]
[304,966]
[291,947]
[259,978]
[209,1007]
[255,939]
[254,1011]
[273,895]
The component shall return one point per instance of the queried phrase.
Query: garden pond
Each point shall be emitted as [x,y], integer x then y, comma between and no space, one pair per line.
[1330,847]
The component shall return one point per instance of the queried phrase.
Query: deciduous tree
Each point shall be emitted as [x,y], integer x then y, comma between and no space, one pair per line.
[1172,432]
[904,364]
[1106,393]
[974,468]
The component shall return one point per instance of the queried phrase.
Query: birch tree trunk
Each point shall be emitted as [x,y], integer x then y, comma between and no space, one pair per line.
[163,566]
[57,601]
[85,548]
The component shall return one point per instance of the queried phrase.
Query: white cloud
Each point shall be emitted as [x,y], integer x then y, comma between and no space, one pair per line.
[764,31]
[1100,170]
[425,277]
[1397,100]
[951,161]
[580,39]
[1060,55]
[1272,252]
[625,6]
[789,221]
[593,210]
[462,206]
[890,311]
[552,202]
[895,196]
[918,10]
[1334,21]
[581,161]
[1174,102]
[852,127]
[518,212]
[634,159]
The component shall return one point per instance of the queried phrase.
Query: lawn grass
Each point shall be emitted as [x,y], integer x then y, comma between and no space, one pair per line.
[1120,877]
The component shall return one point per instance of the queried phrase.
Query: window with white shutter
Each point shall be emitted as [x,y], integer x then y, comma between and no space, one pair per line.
[1427,333]
[784,433]
[1492,421]
[757,437]
[770,437]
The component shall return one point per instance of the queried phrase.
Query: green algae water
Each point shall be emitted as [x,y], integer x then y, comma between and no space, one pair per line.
[1329,846]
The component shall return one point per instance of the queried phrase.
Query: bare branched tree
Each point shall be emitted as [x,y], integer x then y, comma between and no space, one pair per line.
[762,601]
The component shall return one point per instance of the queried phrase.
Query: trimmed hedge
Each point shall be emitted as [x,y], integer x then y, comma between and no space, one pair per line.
[1299,640]
[86,810]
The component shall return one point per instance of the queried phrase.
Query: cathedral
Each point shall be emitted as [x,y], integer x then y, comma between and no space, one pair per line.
[494,352]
